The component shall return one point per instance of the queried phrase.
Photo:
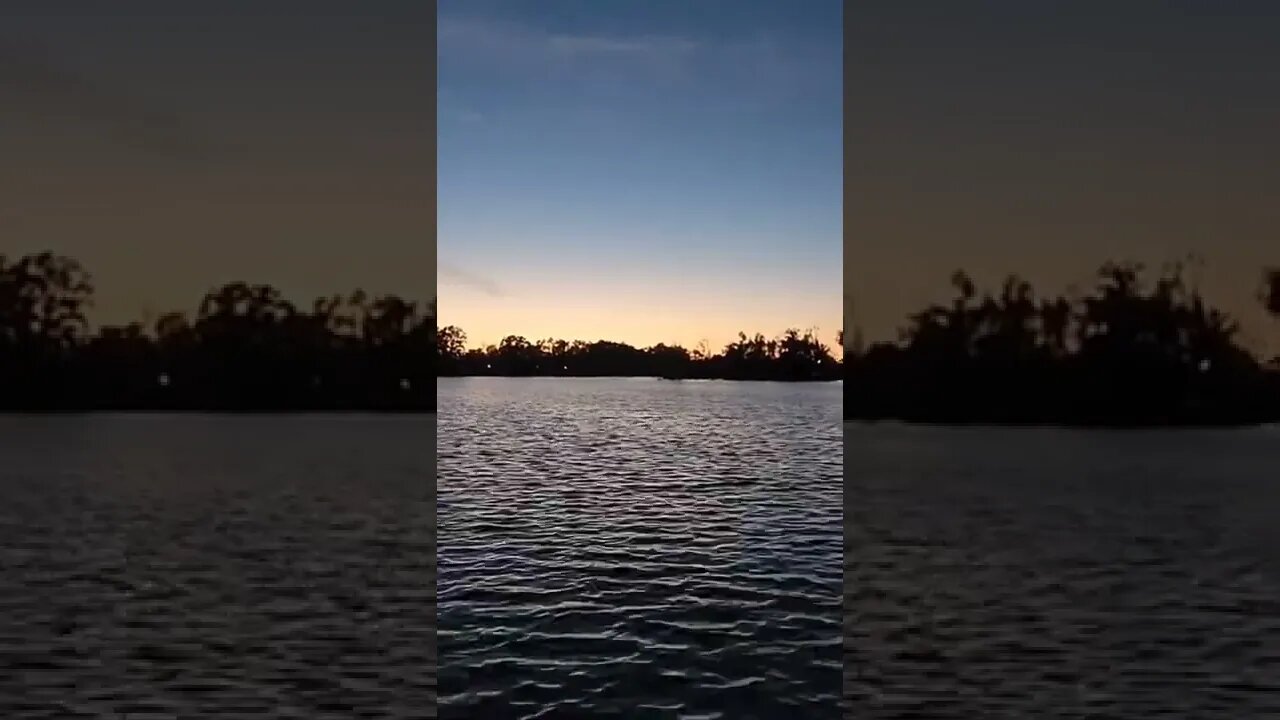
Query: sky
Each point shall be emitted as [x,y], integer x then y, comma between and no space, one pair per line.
[172,147]
[639,171]
[1046,137]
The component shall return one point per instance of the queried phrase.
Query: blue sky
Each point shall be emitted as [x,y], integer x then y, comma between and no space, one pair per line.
[639,171]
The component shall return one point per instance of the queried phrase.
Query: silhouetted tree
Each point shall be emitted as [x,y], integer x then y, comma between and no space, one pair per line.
[1131,352]
[1270,293]
[794,356]
[247,349]
[42,304]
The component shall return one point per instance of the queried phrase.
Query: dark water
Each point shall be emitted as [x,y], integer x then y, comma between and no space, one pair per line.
[1055,574]
[195,567]
[639,548]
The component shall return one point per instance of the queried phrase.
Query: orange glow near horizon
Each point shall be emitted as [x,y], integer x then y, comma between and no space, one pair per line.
[684,319]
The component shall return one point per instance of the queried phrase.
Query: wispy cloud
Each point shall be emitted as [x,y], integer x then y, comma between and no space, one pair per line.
[761,66]
[501,41]
[459,276]
[454,108]
[645,47]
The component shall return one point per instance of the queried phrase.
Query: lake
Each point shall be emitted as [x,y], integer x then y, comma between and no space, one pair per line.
[1054,573]
[639,548]
[198,566]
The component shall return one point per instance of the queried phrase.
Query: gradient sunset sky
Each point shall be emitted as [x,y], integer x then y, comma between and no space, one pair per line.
[175,146]
[639,171]
[1045,137]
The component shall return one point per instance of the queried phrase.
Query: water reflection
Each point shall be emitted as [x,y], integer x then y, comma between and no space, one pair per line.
[1054,573]
[639,548]
[189,566]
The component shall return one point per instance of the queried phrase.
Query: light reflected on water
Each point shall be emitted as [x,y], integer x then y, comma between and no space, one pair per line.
[640,548]
[1061,573]
[234,566]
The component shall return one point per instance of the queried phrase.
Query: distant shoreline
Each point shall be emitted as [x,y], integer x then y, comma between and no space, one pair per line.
[794,356]
[1060,425]
[246,350]
[1134,351]
[784,381]
[206,411]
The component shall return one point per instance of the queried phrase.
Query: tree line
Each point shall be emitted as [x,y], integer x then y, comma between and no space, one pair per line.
[793,356]
[246,348]
[1138,348]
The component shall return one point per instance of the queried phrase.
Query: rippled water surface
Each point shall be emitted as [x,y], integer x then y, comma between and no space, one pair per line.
[198,567]
[1060,574]
[639,548]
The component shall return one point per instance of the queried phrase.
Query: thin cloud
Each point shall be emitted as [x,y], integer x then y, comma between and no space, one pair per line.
[459,276]
[467,115]
[509,43]
[451,107]
[646,47]
[762,66]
